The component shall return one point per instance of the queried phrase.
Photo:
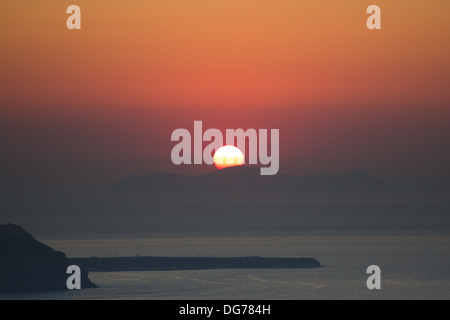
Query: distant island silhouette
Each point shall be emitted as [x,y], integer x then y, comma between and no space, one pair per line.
[248,179]
[96,264]
[28,265]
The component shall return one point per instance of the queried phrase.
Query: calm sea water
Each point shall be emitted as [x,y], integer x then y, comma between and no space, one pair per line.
[413,267]
[407,236]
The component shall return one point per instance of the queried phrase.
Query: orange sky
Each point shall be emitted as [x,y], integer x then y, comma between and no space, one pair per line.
[224,53]
[139,69]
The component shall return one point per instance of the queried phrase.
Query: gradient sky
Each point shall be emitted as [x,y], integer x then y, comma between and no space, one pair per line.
[93,105]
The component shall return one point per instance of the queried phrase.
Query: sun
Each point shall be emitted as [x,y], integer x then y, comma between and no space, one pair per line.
[228,156]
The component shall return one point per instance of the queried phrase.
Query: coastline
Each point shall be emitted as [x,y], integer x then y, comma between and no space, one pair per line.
[150,263]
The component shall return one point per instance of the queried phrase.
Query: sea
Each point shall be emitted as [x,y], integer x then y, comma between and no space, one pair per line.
[406,235]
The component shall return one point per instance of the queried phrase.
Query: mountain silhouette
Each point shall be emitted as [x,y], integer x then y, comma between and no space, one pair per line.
[248,179]
[28,265]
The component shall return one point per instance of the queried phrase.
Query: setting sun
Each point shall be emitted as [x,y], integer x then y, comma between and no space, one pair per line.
[228,156]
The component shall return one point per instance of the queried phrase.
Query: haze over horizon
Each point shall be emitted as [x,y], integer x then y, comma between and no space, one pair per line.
[358,119]
[83,109]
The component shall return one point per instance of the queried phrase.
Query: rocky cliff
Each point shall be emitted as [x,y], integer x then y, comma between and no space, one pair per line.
[29,265]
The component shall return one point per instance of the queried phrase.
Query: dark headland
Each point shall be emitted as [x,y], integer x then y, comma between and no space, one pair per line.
[28,265]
